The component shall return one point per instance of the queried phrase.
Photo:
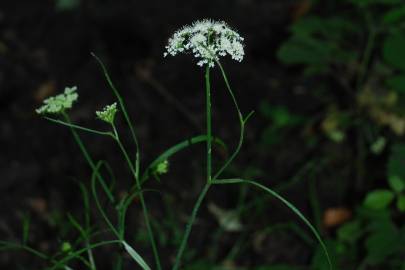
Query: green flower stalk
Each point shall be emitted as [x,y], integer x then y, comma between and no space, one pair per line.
[209,40]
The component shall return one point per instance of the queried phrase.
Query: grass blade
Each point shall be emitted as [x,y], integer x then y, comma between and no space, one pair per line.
[136,256]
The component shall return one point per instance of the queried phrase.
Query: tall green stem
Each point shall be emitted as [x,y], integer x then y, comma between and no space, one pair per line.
[209,124]
[203,193]
[134,172]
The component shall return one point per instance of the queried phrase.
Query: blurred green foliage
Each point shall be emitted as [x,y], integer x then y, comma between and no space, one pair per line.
[359,50]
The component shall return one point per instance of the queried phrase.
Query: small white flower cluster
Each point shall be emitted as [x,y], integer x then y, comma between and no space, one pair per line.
[108,113]
[207,40]
[59,103]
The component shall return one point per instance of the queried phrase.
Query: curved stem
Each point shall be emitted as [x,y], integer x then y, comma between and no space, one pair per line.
[141,199]
[190,225]
[241,122]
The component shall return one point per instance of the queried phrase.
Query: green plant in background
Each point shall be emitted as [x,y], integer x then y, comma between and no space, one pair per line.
[208,41]
[356,56]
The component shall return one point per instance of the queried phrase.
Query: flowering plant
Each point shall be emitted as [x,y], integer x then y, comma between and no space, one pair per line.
[208,40]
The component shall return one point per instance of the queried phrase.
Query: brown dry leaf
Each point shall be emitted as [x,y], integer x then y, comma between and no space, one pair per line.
[45,90]
[333,217]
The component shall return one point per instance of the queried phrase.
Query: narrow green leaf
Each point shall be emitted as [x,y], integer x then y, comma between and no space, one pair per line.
[135,256]
[26,228]
[63,123]
[284,201]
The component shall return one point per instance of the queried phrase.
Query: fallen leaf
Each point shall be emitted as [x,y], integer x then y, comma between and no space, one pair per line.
[333,217]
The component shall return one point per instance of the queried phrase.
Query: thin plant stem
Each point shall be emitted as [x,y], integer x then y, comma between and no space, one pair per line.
[204,191]
[104,133]
[209,124]
[141,198]
[75,254]
[189,226]
[124,112]
[135,170]
[241,122]
[85,152]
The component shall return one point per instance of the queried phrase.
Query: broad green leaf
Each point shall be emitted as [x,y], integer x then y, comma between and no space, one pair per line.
[304,50]
[378,199]
[393,50]
[136,256]
[401,203]
[394,15]
[396,183]
[383,241]
[350,232]
[325,28]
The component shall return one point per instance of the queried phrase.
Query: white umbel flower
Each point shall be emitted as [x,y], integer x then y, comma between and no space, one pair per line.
[59,103]
[207,40]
